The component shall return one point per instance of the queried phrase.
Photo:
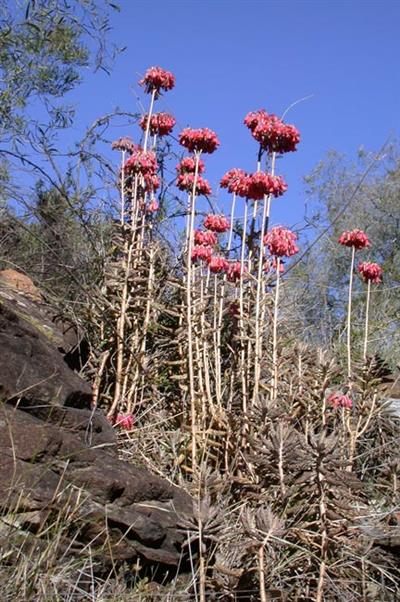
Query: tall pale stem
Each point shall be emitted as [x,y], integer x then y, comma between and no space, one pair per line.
[275,330]
[259,317]
[241,316]
[146,135]
[221,307]
[120,327]
[353,254]
[123,188]
[367,320]
[189,312]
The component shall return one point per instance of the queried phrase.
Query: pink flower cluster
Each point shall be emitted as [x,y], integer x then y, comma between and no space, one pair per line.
[234,271]
[124,144]
[153,206]
[202,253]
[354,238]
[217,223]
[270,131]
[218,264]
[144,164]
[161,124]
[185,181]
[253,186]
[188,165]
[207,238]
[124,421]
[338,400]
[200,140]
[233,180]
[281,242]
[156,79]
[370,272]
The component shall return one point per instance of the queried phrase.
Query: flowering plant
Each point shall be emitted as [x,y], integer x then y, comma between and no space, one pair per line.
[338,400]
[186,180]
[200,140]
[218,264]
[205,238]
[201,253]
[161,124]
[216,223]
[370,272]
[156,79]
[281,242]
[188,165]
[354,238]
[272,134]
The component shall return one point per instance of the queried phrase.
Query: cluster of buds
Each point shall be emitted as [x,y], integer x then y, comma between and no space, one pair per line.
[201,140]
[273,135]
[161,124]
[339,400]
[354,238]
[370,272]
[281,242]
[157,79]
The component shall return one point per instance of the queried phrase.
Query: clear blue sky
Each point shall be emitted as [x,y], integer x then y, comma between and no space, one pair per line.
[233,56]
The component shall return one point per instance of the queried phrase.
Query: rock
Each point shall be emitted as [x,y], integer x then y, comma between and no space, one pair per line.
[60,463]
[30,363]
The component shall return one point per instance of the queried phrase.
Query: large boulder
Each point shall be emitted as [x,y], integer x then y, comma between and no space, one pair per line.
[59,458]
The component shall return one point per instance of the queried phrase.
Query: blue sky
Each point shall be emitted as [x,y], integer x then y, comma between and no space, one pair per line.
[233,56]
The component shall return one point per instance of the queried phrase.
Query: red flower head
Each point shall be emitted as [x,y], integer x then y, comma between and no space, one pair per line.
[216,223]
[153,206]
[338,400]
[201,253]
[272,134]
[354,238]
[188,165]
[157,79]
[233,180]
[201,140]
[281,242]
[160,124]
[370,272]
[185,182]
[141,162]
[205,238]
[124,421]
[253,118]
[234,271]
[124,144]
[218,265]
[260,185]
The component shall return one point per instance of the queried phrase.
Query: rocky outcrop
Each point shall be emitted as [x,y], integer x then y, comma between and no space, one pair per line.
[59,460]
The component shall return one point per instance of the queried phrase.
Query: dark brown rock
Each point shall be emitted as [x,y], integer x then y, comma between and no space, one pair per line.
[31,367]
[60,466]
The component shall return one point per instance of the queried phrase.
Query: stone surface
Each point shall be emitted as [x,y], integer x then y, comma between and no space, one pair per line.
[59,459]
